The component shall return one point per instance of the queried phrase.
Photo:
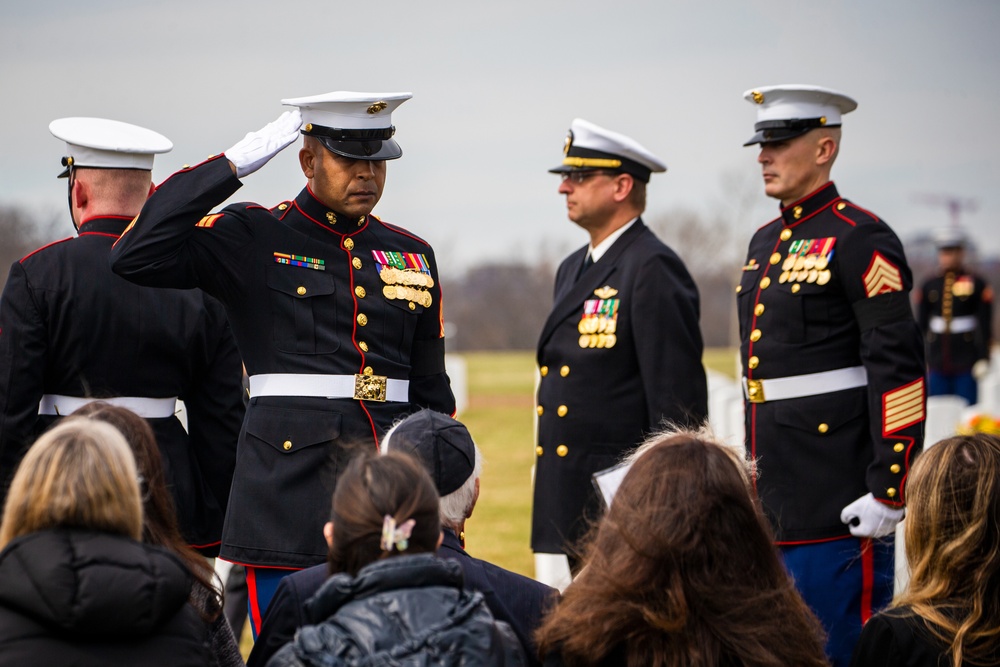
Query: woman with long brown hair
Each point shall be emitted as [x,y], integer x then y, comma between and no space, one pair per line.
[160,526]
[682,572]
[950,614]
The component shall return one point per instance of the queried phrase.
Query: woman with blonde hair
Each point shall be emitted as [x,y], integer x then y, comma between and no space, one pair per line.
[682,572]
[950,613]
[76,585]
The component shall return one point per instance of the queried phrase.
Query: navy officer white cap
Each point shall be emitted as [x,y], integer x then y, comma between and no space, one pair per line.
[589,146]
[355,125]
[100,143]
[790,110]
[949,237]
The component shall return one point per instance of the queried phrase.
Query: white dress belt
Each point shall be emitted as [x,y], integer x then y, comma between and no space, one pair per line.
[810,384]
[963,324]
[323,386]
[148,408]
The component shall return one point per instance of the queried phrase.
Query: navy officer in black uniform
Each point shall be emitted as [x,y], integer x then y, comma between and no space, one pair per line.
[71,331]
[620,353]
[955,312]
[833,367]
[337,314]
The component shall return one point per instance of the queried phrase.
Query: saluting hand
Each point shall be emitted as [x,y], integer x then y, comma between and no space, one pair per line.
[254,150]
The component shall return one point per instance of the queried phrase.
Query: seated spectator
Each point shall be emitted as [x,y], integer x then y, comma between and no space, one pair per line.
[160,525]
[681,571]
[76,585]
[950,613]
[392,601]
[448,453]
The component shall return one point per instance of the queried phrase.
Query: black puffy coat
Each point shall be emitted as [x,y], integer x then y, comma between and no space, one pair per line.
[75,597]
[407,610]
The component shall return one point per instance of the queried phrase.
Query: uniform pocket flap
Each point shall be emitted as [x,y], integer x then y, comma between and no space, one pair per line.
[289,430]
[298,282]
[821,414]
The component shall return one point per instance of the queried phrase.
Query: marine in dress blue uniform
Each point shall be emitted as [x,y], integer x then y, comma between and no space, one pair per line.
[71,331]
[337,314]
[833,367]
[955,312]
[620,353]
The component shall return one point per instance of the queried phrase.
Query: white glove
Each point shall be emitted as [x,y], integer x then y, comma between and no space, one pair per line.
[868,517]
[981,369]
[254,150]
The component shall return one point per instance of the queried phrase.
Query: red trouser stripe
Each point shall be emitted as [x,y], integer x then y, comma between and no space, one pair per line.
[867,579]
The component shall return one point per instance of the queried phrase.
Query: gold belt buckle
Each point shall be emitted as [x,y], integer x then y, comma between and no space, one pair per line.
[370,387]
[755,391]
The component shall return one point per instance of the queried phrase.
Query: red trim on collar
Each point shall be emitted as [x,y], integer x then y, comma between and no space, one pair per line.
[808,196]
[113,236]
[106,217]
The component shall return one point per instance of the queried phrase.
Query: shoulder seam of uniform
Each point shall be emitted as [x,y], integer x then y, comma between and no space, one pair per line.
[854,206]
[44,247]
[400,230]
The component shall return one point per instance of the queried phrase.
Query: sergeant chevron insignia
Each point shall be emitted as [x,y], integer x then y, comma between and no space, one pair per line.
[882,276]
[903,407]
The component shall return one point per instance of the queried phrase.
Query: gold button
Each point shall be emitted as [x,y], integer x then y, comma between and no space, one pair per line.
[282,207]
[765,282]
[356,262]
[544,370]
[363,345]
[361,221]
[562,411]
[287,445]
[786,234]
[894,468]
[562,450]
[368,370]
[360,291]
[898,447]
[739,288]
[539,451]
[308,127]
[362,319]
[331,217]
[797,212]
[539,410]
[758,309]
[412,306]
[186,166]
[795,288]
[841,206]
[891,492]
[564,371]
[823,428]
[753,362]
[349,243]
[755,335]
[822,120]
[775,258]
[301,290]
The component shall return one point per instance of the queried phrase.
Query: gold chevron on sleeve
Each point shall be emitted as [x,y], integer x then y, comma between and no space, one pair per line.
[882,276]
[903,407]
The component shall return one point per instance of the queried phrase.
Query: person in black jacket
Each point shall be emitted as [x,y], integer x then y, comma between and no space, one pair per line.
[454,462]
[72,331]
[950,612]
[620,353]
[955,312]
[76,585]
[391,600]
[337,314]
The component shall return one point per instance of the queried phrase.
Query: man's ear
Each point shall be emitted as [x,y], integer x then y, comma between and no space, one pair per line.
[328,533]
[475,499]
[623,186]
[307,160]
[826,149]
[81,194]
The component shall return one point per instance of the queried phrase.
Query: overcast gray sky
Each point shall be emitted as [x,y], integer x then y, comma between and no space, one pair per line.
[496,85]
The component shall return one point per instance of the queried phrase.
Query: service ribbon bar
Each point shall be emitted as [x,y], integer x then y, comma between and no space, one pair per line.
[300,260]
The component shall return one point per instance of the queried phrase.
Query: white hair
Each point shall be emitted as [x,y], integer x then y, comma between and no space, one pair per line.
[455,507]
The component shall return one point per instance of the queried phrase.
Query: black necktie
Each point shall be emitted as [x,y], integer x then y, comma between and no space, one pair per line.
[587,263]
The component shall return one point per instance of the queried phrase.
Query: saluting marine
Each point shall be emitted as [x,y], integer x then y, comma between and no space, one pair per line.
[620,353]
[833,367]
[71,332]
[337,314]
[955,312]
